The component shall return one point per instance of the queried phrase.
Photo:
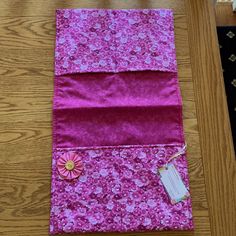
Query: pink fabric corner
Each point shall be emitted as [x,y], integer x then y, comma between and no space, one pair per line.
[119,190]
[114,41]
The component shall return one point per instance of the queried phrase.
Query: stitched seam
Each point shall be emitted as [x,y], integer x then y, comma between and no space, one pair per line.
[118,146]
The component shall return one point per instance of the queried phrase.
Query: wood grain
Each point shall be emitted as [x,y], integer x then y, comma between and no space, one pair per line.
[224,14]
[214,129]
[27,32]
[15,8]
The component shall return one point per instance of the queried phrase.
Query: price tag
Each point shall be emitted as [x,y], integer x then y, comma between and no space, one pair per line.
[173,183]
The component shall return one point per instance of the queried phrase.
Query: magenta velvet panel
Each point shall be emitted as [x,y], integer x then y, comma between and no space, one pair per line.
[117,109]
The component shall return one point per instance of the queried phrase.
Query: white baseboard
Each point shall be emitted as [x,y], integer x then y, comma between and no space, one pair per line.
[234,5]
[224,1]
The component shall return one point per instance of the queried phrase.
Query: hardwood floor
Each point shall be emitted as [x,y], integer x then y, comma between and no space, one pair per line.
[27,30]
[225,15]
[215,137]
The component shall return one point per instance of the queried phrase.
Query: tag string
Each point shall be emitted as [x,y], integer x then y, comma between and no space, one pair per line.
[177,154]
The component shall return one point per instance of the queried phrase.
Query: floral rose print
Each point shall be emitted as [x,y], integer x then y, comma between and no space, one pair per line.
[114,41]
[115,189]
[118,190]
[69,165]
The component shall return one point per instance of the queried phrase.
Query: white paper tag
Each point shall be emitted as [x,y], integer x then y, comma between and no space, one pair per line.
[173,183]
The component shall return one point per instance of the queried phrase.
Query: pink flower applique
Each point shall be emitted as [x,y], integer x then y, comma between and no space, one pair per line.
[70,165]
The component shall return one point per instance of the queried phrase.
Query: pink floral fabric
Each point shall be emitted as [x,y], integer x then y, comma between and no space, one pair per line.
[89,40]
[104,168]
[118,190]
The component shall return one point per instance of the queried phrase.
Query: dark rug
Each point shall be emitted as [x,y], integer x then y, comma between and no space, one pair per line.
[227,42]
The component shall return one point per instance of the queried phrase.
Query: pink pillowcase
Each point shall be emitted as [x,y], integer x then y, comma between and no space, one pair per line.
[117,118]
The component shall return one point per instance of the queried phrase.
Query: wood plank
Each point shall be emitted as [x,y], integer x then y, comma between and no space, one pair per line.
[26,47]
[25,194]
[184,72]
[213,121]
[34,99]
[224,14]
[39,32]
[47,8]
